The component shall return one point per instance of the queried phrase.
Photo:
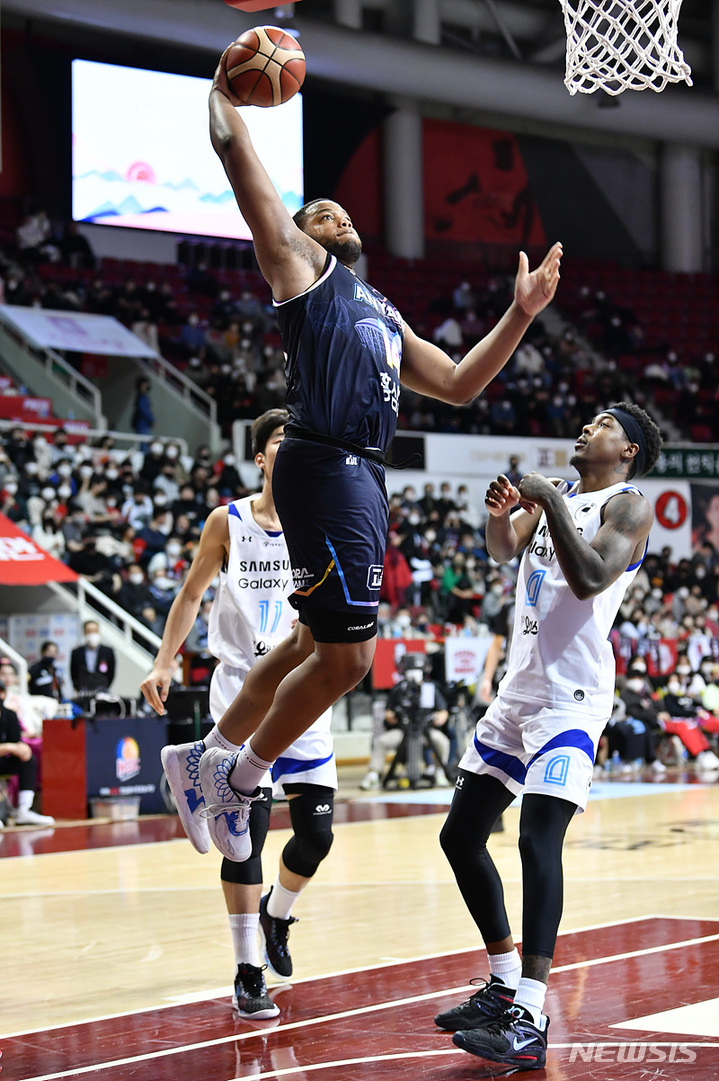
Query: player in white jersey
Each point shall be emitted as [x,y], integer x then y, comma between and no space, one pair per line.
[582,547]
[250,614]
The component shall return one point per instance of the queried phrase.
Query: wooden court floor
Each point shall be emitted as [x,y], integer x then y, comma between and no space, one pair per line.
[117,962]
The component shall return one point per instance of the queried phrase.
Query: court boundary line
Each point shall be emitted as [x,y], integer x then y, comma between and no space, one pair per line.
[209,994]
[344,1014]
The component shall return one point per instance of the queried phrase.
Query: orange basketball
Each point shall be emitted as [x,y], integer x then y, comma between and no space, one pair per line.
[265,66]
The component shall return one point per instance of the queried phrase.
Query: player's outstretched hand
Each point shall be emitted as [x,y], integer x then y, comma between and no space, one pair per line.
[534,290]
[221,82]
[155,688]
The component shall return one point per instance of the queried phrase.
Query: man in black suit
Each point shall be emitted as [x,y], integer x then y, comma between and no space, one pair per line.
[92,665]
[42,676]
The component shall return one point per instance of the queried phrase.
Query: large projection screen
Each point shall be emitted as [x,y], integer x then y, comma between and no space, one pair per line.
[142,158]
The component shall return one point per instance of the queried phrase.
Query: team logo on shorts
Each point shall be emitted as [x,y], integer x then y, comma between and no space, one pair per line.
[579,695]
[374,577]
[557,770]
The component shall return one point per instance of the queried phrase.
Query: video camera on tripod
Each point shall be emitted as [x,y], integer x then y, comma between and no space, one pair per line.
[413,701]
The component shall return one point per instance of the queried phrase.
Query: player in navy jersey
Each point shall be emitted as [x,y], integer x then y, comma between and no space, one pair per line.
[347,350]
[583,544]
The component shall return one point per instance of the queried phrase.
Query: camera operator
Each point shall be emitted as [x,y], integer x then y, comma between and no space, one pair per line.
[416,708]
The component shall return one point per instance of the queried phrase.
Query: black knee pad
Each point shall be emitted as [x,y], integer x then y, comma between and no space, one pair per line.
[249,873]
[311,813]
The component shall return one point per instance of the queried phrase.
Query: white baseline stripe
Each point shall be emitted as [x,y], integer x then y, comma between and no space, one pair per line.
[211,993]
[363,1010]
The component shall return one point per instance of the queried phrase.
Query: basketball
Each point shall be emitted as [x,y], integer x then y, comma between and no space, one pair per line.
[265,66]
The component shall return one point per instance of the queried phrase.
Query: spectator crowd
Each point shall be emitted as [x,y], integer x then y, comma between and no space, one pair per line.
[129,522]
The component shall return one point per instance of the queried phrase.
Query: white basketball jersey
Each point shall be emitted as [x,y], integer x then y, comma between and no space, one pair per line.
[560,652]
[251,613]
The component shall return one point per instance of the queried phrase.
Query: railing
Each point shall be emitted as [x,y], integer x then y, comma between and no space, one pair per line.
[130,438]
[179,382]
[58,367]
[92,601]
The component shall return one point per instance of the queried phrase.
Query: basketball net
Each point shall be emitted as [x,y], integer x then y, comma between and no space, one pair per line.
[617,45]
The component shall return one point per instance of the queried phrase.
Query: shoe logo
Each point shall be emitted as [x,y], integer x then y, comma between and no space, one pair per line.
[519,1045]
[193,800]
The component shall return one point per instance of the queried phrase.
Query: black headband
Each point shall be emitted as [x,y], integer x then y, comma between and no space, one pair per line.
[634,433]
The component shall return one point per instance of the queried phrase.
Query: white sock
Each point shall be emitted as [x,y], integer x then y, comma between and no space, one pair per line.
[531,994]
[247,772]
[243,927]
[281,901]
[24,799]
[214,738]
[507,967]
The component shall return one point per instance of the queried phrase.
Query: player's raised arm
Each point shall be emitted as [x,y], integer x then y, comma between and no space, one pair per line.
[211,553]
[290,260]
[427,369]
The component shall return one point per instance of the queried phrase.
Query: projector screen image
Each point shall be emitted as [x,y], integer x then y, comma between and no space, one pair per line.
[142,158]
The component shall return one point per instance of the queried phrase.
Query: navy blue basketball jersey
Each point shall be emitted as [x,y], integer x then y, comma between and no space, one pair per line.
[343,342]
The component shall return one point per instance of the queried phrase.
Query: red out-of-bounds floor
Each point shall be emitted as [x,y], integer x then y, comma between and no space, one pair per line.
[632,1000]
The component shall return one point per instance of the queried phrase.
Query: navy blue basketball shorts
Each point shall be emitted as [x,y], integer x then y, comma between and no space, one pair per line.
[334,512]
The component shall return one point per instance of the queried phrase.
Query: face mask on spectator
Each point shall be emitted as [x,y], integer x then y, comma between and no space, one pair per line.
[160,500]
[684,670]
[156,448]
[31,469]
[164,582]
[673,687]
[92,640]
[48,494]
[135,578]
[10,487]
[635,684]
[229,459]
[172,452]
[111,474]
[86,470]
[174,550]
[64,491]
[64,470]
[403,620]
[39,442]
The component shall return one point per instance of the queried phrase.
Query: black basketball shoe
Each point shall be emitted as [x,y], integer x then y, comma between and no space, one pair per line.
[490,1001]
[512,1039]
[275,933]
[250,998]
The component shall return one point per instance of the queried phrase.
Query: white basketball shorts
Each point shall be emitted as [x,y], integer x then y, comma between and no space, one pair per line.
[535,748]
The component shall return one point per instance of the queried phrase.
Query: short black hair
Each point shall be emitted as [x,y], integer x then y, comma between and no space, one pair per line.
[263,427]
[651,433]
[306,211]
[46,645]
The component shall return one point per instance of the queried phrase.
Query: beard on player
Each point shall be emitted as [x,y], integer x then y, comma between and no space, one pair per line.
[347,249]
